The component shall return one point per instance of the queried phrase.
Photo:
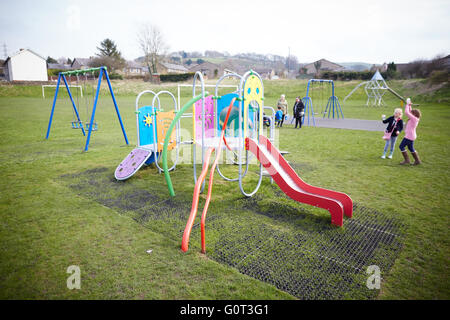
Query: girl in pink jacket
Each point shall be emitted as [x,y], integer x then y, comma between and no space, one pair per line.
[410,134]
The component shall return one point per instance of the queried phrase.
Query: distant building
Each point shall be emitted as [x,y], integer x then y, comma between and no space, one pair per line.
[81,63]
[133,68]
[229,64]
[165,68]
[323,65]
[25,65]
[58,66]
[382,68]
[446,62]
[266,73]
[208,69]
[2,74]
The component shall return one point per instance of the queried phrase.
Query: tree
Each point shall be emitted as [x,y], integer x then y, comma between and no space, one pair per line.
[108,56]
[317,66]
[152,44]
[110,63]
[292,63]
[108,48]
[200,61]
[391,67]
[51,60]
[189,62]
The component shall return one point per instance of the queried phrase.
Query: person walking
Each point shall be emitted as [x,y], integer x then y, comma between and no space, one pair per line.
[282,103]
[299,112]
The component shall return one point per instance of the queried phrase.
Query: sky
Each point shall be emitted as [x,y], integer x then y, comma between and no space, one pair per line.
[338,30]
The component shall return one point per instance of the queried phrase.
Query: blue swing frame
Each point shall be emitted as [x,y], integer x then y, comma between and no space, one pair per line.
[91,125]
[332,104]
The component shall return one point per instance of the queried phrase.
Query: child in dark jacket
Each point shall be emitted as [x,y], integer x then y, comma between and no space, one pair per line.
[395,125]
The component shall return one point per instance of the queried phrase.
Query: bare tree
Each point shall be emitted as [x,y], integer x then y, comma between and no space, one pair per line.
[317,66]
[152,44]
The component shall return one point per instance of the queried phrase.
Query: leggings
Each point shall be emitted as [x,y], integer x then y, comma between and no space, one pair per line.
[298,121]
[407,143]
[282,120]
[392,141]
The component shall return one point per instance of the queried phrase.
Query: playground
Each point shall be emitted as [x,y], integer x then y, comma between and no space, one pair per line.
[62,206]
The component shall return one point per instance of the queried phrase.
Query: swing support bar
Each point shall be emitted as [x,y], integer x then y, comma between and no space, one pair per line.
[103,71]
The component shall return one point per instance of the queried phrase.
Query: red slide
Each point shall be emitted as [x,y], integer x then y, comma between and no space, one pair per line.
[337,203]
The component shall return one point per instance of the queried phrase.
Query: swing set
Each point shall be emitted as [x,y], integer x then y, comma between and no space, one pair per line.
[89,124]
[315,93]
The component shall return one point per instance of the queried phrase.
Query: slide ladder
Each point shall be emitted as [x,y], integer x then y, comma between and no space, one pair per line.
[337,203]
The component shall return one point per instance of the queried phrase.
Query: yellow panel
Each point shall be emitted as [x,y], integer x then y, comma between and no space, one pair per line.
[163,120]
[254,84]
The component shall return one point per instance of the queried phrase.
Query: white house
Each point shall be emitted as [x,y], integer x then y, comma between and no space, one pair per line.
[25,65]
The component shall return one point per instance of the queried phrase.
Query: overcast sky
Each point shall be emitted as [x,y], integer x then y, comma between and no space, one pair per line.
[338,30]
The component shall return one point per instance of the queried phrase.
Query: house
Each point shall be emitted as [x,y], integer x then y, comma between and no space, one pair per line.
[25,65]
[133,68]
[165,68]
[229,64]
[266,73]
[2,74]
[322,65]
[58,66]
[382,68]
[208,69]
[81,63]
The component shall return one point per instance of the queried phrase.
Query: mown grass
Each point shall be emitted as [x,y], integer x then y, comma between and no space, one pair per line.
[47,226]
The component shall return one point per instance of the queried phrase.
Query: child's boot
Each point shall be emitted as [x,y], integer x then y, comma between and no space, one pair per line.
[416,158]
[384,155]
[390,155]
[406,156]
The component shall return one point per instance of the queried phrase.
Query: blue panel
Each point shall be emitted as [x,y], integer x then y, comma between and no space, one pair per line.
[146,131]
[151,159]
[223,103]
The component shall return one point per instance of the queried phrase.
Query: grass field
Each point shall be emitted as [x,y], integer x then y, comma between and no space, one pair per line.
[62,207]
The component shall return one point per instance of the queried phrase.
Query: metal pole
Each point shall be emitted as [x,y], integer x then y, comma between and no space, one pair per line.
[93,110]
[114,100]
[53,107]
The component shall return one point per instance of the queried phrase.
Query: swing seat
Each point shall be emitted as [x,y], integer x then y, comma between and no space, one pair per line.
[94,126]
[76,124]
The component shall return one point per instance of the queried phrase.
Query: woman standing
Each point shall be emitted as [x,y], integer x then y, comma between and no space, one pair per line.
[282,103]
[299,111]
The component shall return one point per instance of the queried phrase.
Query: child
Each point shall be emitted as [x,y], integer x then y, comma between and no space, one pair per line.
[278,116]
[410,134]
[395,125]
[282,103]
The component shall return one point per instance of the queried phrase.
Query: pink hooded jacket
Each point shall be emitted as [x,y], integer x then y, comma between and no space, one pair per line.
[411,125]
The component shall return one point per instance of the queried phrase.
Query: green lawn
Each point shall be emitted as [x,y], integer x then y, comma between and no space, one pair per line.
[62,207]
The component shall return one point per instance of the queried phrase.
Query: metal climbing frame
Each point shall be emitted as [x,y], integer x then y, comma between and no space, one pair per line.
[250,96]
[162,130]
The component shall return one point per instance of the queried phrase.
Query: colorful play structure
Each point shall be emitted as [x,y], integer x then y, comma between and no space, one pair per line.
[151,124]
[375,89]
[233,123]
[89,124]
[332,107]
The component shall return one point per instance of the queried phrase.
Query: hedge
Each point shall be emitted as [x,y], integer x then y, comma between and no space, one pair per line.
[176,77]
